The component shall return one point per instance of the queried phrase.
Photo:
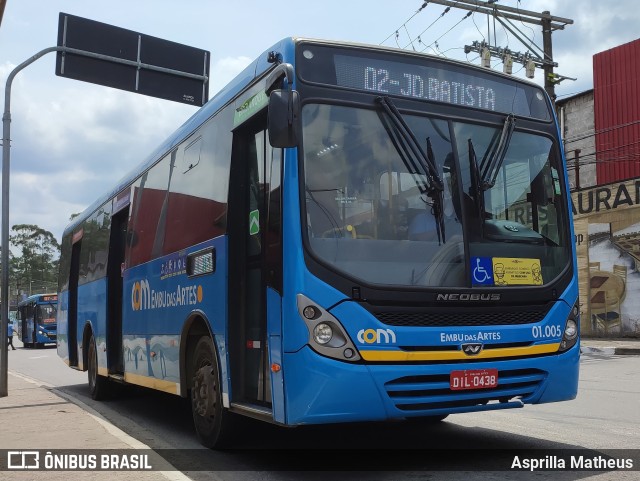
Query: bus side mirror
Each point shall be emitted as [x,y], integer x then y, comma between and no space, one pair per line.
[284,118]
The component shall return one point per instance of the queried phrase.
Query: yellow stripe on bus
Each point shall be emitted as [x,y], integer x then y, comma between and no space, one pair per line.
[458,355]
[153,383]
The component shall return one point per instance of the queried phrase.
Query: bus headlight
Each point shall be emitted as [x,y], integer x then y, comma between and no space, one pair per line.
[571,329]
[326,334]
[322,333]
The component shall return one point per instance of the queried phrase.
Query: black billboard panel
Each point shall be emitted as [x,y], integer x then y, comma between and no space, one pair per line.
[102,39]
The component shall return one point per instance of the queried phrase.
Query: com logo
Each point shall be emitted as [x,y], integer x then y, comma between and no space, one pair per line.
[140,295]
[376,336]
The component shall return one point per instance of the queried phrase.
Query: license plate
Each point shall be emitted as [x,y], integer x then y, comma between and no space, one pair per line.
[473,379]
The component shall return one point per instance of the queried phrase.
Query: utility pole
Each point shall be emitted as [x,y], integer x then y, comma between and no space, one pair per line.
[541,57]
[549,79]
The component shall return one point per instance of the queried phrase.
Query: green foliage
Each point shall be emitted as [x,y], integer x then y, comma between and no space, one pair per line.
[36,268]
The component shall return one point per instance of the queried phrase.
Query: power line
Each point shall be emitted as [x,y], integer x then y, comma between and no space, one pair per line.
[602,131]
[405,23]
[458,23]
[532,40]
[603,151]
[473,18]
[444,12]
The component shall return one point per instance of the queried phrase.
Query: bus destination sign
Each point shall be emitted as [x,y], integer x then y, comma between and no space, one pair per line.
[440,82]
[420,77]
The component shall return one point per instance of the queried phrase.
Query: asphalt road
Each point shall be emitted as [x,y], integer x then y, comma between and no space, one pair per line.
[604,417]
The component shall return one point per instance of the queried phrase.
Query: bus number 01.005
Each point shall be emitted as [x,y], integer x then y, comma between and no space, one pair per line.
[544,332]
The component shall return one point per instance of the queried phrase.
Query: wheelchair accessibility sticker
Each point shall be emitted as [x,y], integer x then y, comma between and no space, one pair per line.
[482,271]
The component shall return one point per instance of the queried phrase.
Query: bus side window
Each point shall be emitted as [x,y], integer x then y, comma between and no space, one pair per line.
[197,200]
[148,198]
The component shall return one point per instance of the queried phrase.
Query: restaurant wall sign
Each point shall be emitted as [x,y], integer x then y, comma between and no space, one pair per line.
[607,234]
[606,197]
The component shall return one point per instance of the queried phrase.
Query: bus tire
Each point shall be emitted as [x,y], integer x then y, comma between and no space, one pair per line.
[211,420]
[98,385]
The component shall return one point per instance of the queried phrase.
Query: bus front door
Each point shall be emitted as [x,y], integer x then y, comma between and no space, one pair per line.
[72,326]
[254,237]
[117,242]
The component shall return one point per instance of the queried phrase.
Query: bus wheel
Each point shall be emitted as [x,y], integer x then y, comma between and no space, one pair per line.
[98,385]
[212,421]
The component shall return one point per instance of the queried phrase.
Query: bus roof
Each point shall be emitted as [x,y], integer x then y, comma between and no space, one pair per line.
[226,94]
[40,299]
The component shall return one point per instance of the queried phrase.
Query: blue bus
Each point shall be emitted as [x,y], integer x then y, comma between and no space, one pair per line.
[36,320]
[343,233]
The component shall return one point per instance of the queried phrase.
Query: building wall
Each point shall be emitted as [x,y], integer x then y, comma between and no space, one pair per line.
[607,229]
[617,112]
[604,124]
[576,115]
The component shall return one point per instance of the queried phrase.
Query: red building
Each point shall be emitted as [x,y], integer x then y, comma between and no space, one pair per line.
[616,88]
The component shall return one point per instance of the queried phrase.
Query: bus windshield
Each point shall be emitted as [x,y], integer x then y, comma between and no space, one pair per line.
[46,313]
[370,215]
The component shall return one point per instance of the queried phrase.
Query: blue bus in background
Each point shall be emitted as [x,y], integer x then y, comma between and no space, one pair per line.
[343,233]
[36,320]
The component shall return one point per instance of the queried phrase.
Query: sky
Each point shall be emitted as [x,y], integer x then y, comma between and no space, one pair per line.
[72,141]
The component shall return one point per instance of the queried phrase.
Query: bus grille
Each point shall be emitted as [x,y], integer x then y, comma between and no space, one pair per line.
[424,393]
[51,332]
[474,317]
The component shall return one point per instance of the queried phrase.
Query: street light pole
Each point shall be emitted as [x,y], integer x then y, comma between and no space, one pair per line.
[4,237]
[6,140]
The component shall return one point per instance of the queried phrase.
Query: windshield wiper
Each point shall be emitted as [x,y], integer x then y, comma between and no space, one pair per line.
[476,181]
[416,160]
[491,167]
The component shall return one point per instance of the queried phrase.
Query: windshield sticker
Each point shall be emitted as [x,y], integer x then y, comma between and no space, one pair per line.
[250,107]
[481,271]
[254,222]
[509,271]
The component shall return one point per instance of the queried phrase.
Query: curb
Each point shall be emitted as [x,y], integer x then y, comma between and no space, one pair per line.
[607,351]
[631,351]
[110,428]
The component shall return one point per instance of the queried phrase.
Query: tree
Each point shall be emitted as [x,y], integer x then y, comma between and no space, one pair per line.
[36,270]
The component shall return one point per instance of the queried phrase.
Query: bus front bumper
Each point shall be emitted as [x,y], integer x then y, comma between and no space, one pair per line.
[322,390]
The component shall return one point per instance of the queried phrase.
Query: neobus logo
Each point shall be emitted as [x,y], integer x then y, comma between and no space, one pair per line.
[468,297]
[377,336]
[141,295]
